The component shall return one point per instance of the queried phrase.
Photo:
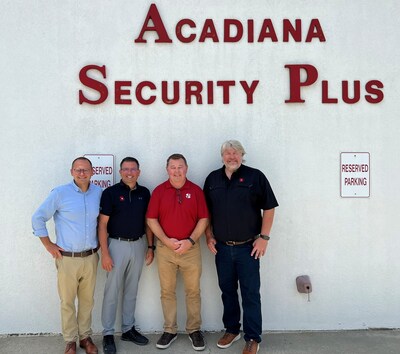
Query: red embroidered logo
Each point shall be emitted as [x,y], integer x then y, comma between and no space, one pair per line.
[241,180]
[121,198]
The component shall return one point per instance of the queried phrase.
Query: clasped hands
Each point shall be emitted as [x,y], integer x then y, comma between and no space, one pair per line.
[178,246]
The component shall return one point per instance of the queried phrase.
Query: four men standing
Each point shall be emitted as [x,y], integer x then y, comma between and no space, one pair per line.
[241,204]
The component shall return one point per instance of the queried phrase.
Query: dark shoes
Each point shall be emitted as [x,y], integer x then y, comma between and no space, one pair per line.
[109,345]
[88,345]
[197,340]
[70,348]
[134,336]
[165,340]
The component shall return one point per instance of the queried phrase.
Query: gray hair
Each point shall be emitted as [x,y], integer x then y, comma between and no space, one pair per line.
[234,144]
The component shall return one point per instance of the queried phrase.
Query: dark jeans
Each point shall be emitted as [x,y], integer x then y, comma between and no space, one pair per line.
[235,265]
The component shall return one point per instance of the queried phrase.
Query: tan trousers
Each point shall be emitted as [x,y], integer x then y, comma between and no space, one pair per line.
[189,265]
[76,279]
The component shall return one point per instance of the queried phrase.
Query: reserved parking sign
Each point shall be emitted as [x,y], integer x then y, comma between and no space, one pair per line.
[355,176]
[103,169]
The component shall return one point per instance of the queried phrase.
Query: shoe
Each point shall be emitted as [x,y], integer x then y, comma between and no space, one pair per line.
[227,340]
[109,345]
[197,340]
[165,340]
[251,347]
[70,348]
[134,336]
[88,345]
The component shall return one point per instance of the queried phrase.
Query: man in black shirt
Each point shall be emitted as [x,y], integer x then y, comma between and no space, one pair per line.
[121,228]
[238,236]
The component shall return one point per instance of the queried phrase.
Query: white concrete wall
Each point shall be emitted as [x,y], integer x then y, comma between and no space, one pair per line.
[349,247]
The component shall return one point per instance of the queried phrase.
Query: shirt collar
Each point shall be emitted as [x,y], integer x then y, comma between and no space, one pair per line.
[78,189]
[234,174]
[169,185]
[124,185]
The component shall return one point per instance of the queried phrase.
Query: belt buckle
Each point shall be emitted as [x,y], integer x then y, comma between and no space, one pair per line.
[231,243]
[82,253]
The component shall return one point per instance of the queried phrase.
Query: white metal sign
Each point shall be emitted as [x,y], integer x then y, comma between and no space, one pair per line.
[354,174]
[103,169]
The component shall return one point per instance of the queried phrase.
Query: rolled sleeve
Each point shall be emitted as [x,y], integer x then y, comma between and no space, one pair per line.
[43,214]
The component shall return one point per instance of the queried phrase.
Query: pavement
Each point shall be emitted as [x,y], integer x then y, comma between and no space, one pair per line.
[332,342]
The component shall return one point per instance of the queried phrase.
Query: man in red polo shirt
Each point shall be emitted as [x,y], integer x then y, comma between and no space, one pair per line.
[177,214]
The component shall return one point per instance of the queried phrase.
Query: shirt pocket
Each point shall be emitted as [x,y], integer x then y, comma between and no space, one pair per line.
[246,193]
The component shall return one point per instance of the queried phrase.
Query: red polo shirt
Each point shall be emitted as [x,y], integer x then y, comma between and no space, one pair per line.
[177,210]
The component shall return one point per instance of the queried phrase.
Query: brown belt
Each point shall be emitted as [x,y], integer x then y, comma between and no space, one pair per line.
[79,254]
[236,243]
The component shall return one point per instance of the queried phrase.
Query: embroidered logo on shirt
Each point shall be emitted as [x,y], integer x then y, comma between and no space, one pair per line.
[241,180]
[188,196]
[121,198]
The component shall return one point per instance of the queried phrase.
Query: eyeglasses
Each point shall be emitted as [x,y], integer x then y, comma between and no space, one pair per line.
[82,170]
[126,169]
[178,194]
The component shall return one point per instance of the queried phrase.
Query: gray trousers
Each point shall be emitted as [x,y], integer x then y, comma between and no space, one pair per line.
[128,259]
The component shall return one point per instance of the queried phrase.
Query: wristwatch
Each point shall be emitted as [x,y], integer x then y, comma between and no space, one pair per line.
[191,241]
[152,247]
[264,237]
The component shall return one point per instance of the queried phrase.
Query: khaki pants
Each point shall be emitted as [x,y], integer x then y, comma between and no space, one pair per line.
[76,279]
[189,265]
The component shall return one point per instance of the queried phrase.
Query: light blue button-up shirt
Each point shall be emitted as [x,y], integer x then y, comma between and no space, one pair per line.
[75,216]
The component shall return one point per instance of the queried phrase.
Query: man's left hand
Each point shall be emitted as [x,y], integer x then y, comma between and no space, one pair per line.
[149,256]
[183,246]
[259,248]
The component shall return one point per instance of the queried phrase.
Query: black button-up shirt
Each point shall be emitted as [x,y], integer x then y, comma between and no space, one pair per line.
[235,204]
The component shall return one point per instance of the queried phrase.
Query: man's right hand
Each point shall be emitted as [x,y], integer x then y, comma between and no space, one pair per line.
[171,243]
[211,241]
[51,247]
[107,262]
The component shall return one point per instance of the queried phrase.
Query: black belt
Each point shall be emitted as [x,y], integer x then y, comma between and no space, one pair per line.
[79,254]
[236,243]
[124,238]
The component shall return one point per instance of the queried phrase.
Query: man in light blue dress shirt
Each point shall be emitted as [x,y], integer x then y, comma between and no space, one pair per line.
[75,208]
